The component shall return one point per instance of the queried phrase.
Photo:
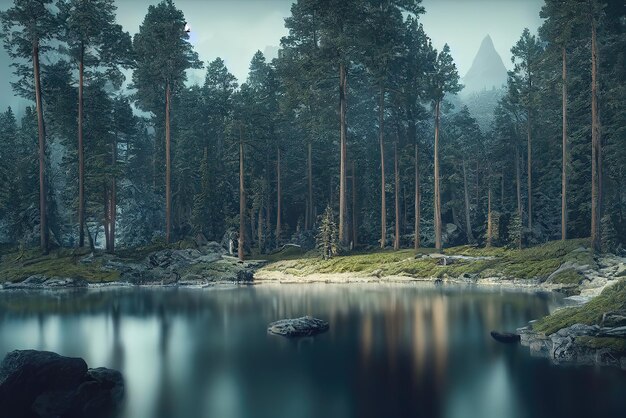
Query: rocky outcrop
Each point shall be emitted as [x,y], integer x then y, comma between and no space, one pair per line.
[298,327]
[43,282]
[204,265]
[45,384]
[568,345]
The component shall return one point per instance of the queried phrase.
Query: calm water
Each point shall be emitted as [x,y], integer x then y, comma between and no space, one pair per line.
[392,351]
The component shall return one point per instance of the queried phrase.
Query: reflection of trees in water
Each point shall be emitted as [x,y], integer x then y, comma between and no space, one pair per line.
[166,395]
[117,350]
[402,337]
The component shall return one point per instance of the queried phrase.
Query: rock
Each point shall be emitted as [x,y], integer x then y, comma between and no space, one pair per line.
[615,332]
[41,281]
[201,240]
[245,276]
[614,319]
[298,327]
[445,261]
[215,247]
[45,384]
[505,337]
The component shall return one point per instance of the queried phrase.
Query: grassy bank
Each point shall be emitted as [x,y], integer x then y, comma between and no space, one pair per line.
[611,299]
[17,265]
[530,263]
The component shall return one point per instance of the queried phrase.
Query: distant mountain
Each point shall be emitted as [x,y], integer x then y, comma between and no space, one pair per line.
[484,84]
[487,71]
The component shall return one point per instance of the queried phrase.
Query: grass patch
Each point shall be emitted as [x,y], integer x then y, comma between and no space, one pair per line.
[611,299]
[289,252]
[19,265]
[614,344]
[530,263]
[568,277]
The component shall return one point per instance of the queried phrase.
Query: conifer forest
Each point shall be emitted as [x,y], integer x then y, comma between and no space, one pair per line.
[355,151]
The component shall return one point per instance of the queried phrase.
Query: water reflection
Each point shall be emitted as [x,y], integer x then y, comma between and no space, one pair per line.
[391,351]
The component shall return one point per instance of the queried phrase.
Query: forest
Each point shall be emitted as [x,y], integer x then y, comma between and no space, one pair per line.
[352,130]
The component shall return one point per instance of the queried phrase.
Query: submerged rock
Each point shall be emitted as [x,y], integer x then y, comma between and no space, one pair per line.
[45,384]
[298,327]
[505,337]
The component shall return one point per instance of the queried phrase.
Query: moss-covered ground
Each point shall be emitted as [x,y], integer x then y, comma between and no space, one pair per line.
[530,263]
[17,265]
[612,298]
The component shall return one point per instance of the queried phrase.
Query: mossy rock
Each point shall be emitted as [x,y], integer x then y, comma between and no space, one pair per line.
[611,299]
[569,276]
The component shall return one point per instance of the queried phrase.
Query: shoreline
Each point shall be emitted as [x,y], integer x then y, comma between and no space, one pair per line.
[566,268]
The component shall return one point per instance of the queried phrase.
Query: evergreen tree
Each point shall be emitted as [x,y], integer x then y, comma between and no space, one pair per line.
[98,46]
[526,54]
[444,79]
[27,28]
[163,53]
[326,238]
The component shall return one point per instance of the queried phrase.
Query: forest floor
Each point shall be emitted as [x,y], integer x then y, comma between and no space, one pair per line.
[567,266]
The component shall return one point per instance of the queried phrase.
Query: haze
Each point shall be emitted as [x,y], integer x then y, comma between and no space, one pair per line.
[235,29]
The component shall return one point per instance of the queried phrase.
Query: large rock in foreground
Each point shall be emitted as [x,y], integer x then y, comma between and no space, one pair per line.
[44,384]
[298,327]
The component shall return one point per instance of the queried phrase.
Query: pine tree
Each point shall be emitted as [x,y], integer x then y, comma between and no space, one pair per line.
[98,46]
[27,28]
[526,54]
[327,239]
[163,54]
[444,79]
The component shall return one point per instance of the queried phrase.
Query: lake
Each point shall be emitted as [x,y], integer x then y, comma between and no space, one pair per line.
[392,351]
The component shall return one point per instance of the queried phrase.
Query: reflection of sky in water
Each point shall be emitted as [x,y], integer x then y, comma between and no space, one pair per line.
[391,351]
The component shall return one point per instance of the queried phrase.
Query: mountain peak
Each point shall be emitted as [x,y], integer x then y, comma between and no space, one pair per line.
[487,70]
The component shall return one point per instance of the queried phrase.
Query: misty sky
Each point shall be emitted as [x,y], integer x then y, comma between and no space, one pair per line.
[235,29]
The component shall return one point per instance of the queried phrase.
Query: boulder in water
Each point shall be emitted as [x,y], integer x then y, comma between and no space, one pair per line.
[505,337]
[298,327]
[45,384]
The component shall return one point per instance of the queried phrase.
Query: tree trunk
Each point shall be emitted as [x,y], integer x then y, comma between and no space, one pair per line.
[81,157]
[343,90]
[107,212]
[502,191]
[383,197]
[354,219]
[113,209]
[242,200]
[518,182]
[260,225]
[309,214]
[278,196]
[41,130]
[565,158]
[530,173]
[417,199]
[168,168]
[489,222]
[405,209]
[396,240]
[468,224]
[437,220]
[596,147]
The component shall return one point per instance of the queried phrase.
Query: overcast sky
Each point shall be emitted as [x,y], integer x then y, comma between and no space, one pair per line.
[235,29]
